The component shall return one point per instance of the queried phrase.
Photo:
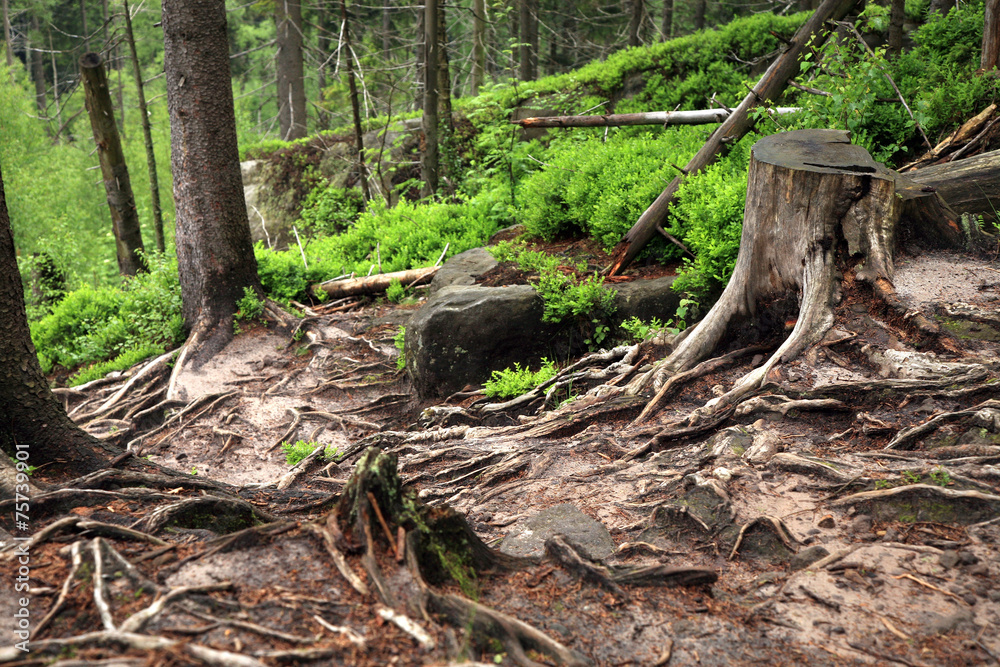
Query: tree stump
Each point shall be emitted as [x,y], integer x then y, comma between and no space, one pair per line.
[812,198]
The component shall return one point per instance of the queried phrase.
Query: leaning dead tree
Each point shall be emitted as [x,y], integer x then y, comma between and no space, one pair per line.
[817,208]
[695,117]
[811,35]
[121,201]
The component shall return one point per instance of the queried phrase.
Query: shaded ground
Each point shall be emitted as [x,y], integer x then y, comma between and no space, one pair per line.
[771,498]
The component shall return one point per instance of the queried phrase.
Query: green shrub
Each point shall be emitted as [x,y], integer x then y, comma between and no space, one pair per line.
[515,381]
[399,340]
[395,292]
[639,330]
[294,453]
[125,360]
[331,210]
[94,325]
[568,297]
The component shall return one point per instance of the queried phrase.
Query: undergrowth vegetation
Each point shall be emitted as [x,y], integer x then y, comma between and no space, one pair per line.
[594,182]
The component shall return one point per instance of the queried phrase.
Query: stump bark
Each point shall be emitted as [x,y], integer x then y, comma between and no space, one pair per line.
[812,198]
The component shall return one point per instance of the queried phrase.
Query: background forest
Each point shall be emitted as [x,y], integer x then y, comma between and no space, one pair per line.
[291,69]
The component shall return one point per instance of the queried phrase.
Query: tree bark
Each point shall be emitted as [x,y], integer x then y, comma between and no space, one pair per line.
[444,72]
[478,45]
[124,217]
[429,159]
[897,15]
[971,185]
[147,134]
[635,20]
[291,85]
[7,35]
[214,249]
[694,117]
[667,21]
[387,30]
[700,9]
[991,36]
[420,56]
[83,25]
[359,135]
[811,194]
[528,36]
[812,33]
[336,289]
[33,426]
[38,71]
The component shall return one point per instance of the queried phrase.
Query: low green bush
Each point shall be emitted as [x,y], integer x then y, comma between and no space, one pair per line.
[93,325]
[300,449]
[512,382]
[124,361]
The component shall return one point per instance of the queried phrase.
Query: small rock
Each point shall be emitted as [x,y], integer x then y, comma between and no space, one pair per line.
[994,596]
[837,630]
[807,557]
[891,535]
[862,523]
[827,522]
[589,535]
[722,474]
[979,569]
[945,624]
[948,559]
[970,598]
[967,558]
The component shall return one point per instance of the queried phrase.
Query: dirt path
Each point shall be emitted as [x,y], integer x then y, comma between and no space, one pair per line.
[828,547]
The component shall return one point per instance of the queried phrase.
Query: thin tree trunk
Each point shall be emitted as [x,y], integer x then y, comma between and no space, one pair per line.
[214,249]
[386,30]
[124,217]
[700,8]
[83,25]
[421,60]
[38,71]
[34,429]
[528,26]
[813,34]
[291,85]
[55,84]
[359,136]
[667,21]
[897,15]
[991,36]
[634,22]
[693,117]
[478,44]
[7,35]
[429,162]
[444,71]
[147,134]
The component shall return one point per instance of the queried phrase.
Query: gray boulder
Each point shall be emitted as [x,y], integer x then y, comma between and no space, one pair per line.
[462,269]
[464,333]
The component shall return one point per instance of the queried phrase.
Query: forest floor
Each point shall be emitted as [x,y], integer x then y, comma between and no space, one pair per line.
[828,548]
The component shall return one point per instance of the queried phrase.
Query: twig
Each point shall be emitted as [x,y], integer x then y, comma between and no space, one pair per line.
[928,585]
[409,626]
[381,520]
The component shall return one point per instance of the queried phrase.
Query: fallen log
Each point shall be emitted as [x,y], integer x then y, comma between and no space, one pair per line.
[695,117]
[812,34]
[336,289]
[970,185]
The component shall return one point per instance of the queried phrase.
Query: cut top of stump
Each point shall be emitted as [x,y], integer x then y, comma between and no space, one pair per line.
[821,151]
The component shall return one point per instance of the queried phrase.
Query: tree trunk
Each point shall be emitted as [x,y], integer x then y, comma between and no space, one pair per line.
[147,135]
[38,71]
[336,289]
[421,60]
[667,21]
[124,217]
[359,135]
[635,20]
[814,202]
[528,35]
[812,33]
[991,36]
[55,85]
[444,72]
[387,30]
[478,45]
[291,85]
[83,25]
[700,9]
[971,185]
[7,36]
[214,249]
[429,159]
[897,15]
[34,428]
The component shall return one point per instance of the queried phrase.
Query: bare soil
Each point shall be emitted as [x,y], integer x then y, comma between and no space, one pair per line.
[904,582]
